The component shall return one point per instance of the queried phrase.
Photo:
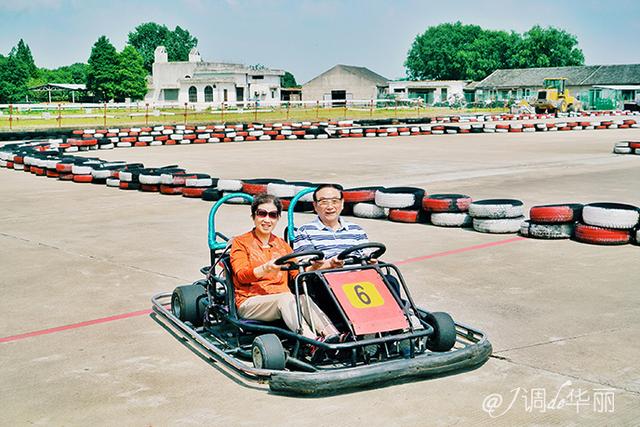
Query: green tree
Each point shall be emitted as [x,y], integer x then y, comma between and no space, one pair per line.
[132,77]
[179,43]
[288,80]
[148,36]
[14,76]
[22,52]
[102,76]
[546,47]
[468,52]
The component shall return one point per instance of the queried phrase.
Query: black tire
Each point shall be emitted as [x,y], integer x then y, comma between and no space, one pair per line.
[185,303]
[267,352]
[444,332]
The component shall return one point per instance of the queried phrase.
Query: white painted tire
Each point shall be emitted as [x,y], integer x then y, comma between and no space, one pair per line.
[547,231]
[281,190]
[198,182]
[149,179]
[395,200]
[622,150]
[610,215]
[235,200]
[496,208]
[229,185]
[369,210]
[451,219]
[113,182]
[498,226]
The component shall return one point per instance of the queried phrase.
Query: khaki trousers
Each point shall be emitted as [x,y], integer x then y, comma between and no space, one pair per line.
[283,306]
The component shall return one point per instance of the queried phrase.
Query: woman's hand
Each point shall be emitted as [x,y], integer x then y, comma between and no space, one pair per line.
[266,268]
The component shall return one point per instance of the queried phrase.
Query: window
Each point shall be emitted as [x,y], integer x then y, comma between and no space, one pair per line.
[170,94]
[257,77]
[208,94]
[193,94]
[443,94]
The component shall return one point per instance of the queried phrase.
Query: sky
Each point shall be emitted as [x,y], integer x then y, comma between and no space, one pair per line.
[308,37]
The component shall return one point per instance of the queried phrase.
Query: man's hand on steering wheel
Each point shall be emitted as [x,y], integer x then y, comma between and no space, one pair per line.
[297,260]
[356,254]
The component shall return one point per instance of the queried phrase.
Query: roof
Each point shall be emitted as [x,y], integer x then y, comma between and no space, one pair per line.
[587,75]
[60,86]
[363,72]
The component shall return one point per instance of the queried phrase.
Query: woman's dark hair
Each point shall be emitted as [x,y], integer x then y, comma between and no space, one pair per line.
[265,198]
[321,186]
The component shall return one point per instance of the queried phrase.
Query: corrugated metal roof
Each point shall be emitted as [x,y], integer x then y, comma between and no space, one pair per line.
[62,86]
[587,75]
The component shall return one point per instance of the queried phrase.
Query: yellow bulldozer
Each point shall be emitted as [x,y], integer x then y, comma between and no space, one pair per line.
[555,97]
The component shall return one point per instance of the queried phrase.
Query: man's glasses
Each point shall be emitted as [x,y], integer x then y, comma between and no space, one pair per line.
[326,202]
[261,213]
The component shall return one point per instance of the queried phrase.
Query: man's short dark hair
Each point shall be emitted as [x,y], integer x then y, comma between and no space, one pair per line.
[321,186]
[265,198]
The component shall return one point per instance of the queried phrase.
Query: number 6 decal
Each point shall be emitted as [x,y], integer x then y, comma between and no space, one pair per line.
[363,294]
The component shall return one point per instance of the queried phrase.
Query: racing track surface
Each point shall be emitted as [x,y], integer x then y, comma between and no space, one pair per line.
[80,262]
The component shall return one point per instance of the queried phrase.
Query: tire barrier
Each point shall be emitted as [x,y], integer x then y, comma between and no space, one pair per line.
[107,139]
[496,209]
[627,147]
[597,223]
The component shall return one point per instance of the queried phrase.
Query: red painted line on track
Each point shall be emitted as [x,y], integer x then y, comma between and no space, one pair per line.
[75,325]
[461,250]
[145,312]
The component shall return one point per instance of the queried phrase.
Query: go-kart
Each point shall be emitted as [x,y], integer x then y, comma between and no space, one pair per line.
[385,336]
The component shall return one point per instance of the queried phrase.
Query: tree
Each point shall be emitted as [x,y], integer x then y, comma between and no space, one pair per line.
[132,77]
[148,36]
[102,76]
[179,43]
[14,75]
[22,53]
[288,80]
[468,52]
[546,47]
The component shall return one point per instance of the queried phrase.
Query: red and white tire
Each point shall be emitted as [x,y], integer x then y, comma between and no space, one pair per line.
[496,208]
[556,213]
[547,231]
[170,189]
[281,190]
[82,178]
[498,225]
[199,181]
[193,192]
[405,215]
[112,182]
[229,185]
[600,235]
[369,210]
[451,219]
[150,188]
[611,215]
[446,203]
[360,194]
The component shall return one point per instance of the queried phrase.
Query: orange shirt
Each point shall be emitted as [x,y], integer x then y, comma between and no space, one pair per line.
[247,253]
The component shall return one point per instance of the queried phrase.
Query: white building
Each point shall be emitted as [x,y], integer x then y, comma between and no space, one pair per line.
[196,81]
[431,91]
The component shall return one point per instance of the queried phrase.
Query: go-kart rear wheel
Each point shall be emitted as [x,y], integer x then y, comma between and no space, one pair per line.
[267,352]
[185,303]
[444,332]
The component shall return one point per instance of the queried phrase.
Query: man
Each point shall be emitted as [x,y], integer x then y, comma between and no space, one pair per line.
[328,233]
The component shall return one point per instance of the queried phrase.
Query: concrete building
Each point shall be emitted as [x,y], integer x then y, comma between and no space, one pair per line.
[196,81]
[345,82]
[431,91]
[596,86]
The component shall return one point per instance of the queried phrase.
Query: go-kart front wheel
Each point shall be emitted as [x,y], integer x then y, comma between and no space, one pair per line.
[444,332]
[267,352]
[185,303]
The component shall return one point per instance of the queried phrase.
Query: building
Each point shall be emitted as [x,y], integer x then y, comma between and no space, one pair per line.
[196,81]
[596,86]
[345,82]
[430,91]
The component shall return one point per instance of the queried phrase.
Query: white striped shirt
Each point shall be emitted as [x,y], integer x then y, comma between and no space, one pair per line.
[315,236]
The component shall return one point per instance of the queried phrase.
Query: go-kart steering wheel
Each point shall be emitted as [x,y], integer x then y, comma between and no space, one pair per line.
[303,259]
[349,255]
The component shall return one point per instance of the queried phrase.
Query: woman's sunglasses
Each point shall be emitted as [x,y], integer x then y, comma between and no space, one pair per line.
[261,213]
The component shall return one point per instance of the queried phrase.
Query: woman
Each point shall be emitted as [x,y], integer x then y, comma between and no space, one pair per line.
[261,288]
